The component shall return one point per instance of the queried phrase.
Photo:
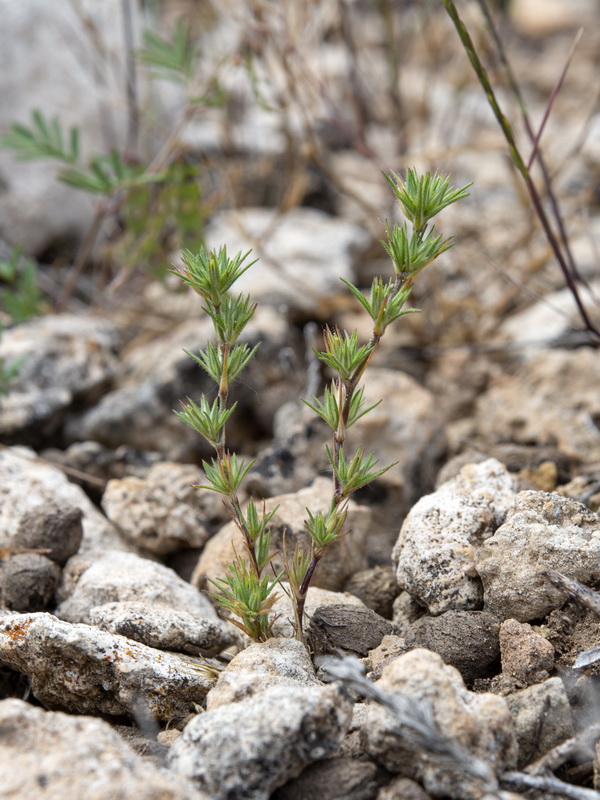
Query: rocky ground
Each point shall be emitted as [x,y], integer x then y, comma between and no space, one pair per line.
[453,639]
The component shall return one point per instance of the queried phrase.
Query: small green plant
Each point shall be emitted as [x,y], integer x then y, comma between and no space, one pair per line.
[20,295]
[20,299]
[247,592]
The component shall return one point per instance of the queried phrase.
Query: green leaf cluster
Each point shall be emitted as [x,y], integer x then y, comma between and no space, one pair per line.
[423,196]
[20,296]
[329,408]
[211,274]
[230,316]
[325,529]
[43,139]
[215,360]
[173,59]
[385,302]
[255,524]
[412,252]
[355,472]
[207,419]
[343,353]
[225,474]
[249,597]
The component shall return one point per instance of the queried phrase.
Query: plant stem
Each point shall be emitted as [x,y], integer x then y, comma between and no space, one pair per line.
[519,162]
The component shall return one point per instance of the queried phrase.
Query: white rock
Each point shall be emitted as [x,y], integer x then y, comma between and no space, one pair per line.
[303,252]
[163,627]
[48,755]
[479,723]
[546,17]
[62,357]
[436,548]
[249,748]
[59,77]
[87,671]
[340,561]
[28,484]
[550,400]
[163,512]
[551,317]
[124,577]
[542,718]
[276,662]
[542,531]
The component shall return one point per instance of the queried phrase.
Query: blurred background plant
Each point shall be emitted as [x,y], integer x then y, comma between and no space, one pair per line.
[284,105]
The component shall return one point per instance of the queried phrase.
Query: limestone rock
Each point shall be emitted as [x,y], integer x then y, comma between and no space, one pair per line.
[436,549]
[31,489]
[163,512]
[120,577]
[542,718]
[350,629]
[57,528]
[163,627]
[64,358]
[87,671]
[334,779]
[276,662]
[467,640]
[542,531]
[391,647]
[550,400]
[28,581]
[145,600]
[249,748]
[48,755]
[480,723]
[527,657]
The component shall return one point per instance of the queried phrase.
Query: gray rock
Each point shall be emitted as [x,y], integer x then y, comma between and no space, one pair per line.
[403,789]
[28,581]
[350,629]
[247,749]
[542,718]
[527,657]
[550,400]
[163,627]
[87,671]
[377,588]
[58,76]
[282,608]
[339,562]
[48,755]
[163,512]
[56,527]
[390,648]
[542,531]
[124,577]
[64,357]
[276,662]
[480,723]
[303,253]
[436,549]
[334,779]
[467,640]
[31,487]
